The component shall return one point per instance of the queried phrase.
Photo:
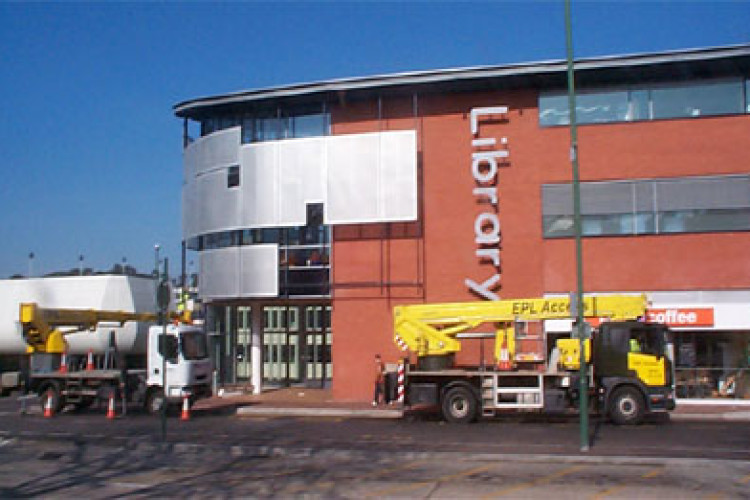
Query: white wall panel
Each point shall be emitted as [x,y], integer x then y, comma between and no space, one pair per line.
[353,178]
[190,212]
[219,206]
[219,149]
[359,178]
[259,275]
[301,180]
[259,185]
[220,276]
[398,173]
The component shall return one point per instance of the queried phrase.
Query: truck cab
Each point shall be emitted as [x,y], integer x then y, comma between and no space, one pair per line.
[183,351]
[633,369]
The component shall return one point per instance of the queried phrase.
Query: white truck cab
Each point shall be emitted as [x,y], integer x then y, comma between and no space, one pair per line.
[183,351]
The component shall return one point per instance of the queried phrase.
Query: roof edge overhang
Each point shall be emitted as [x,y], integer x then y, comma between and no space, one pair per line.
[192,107]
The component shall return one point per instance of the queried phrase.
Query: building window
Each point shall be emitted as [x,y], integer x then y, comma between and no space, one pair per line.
[654,102]
[722,98]
[260,129]
[233,176]
[650,206]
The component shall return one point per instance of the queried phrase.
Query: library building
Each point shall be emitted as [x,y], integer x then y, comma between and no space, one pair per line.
[311,210]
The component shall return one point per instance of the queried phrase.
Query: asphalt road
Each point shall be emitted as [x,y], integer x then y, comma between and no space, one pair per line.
[218,454]
[424,434]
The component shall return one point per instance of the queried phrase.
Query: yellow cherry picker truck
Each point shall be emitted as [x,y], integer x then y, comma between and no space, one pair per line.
[630,373]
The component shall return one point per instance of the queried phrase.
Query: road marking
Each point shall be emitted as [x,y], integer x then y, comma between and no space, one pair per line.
[542,480]
[618,488]
[367,475]
[422,484]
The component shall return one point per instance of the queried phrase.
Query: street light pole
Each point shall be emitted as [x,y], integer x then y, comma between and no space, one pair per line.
[583,386]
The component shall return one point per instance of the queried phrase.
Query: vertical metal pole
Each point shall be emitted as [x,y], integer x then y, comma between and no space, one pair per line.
[583,374]
[184,271]
[163,314]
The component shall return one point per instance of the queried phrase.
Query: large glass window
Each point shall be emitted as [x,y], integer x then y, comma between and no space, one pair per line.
[711,364]
[650,206]
[261,129]
[272,125]
[679,100]
[593,107]
[697,100]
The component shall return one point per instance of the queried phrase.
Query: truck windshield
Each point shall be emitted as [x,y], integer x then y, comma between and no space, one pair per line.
[647,341]
[194,345]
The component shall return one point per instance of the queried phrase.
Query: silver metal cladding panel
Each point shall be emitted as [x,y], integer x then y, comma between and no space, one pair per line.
[220,277]
[218,205]
[372,178]
[249,271]
[301,178]
[259,275]
[398,169]
[354,178]
[259,185]
[219,149]
[190,209]
[360,178]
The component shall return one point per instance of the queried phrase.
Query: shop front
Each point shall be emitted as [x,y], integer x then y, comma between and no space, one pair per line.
[711,342]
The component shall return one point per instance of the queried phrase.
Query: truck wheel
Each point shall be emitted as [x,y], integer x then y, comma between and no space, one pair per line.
[626,406]
[155,401]
[459,406]
[52,390]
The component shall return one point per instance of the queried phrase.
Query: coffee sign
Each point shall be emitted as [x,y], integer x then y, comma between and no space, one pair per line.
[681,317]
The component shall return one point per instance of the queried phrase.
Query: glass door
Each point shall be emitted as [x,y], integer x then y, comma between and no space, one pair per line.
[244,342]
[281,345]
[318,368]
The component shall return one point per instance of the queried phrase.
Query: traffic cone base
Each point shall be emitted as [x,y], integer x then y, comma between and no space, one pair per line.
[111,408]
[185,408]
[48,405]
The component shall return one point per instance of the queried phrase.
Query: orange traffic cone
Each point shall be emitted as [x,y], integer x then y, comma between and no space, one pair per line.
[504,362]
[64,363]
[185,408]
[48,405]
[90,361]
[111,407]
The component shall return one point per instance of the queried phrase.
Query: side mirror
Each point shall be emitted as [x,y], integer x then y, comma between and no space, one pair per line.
[168,347]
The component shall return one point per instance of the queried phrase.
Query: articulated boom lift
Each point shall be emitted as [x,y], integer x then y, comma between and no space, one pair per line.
[44,329]
[430,330]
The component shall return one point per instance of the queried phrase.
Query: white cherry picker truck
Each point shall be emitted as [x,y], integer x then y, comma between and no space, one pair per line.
[630,373]
[180,348]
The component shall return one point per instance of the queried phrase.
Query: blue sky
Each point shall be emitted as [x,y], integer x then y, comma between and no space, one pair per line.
[91,151]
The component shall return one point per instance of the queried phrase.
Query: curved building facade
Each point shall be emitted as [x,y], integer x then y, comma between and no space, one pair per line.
[313,209]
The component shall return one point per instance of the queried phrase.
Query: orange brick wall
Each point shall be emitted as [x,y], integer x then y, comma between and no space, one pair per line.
[377,267]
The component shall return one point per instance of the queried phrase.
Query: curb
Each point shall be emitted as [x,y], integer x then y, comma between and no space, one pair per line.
[249,411]
[739,416]
[252,411]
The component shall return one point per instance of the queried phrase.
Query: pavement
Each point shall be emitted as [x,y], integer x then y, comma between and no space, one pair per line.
[306,402]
